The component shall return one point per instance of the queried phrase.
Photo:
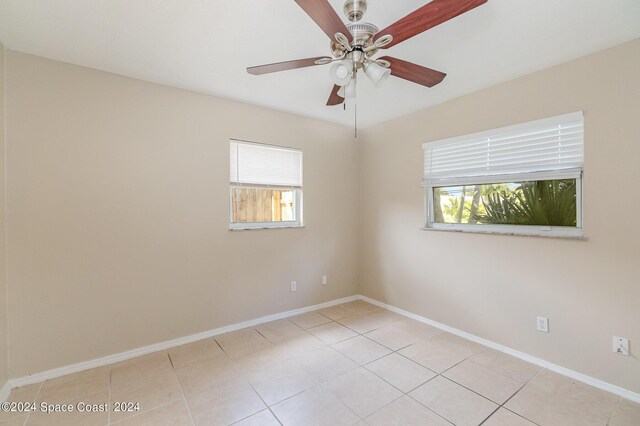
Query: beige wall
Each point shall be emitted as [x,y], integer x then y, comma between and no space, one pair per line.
[494,286]
[3,251]
[118,215]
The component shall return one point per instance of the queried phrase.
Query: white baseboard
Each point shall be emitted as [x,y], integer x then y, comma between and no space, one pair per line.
[5,391]
[99,362]
[597,383]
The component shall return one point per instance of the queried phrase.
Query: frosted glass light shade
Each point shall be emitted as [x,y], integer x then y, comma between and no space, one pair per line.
[376,73]
[350,89]
[340,72]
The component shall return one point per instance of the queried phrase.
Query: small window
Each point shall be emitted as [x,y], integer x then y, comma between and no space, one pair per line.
[524,179]
[265,186]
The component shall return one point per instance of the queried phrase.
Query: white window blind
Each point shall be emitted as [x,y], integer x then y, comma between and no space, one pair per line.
[551,144]
[265,165]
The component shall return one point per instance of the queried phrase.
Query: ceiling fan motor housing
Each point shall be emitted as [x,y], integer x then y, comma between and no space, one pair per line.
[362,33]
[362,36]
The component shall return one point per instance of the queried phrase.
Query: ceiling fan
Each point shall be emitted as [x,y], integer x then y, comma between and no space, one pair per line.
[353,45]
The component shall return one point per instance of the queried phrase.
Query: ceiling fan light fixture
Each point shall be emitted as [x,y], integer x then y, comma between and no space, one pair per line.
[376,73]
[340,72]
[356,43]
[350,89]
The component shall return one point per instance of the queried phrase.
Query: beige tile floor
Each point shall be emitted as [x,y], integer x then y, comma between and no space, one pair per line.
[352,364]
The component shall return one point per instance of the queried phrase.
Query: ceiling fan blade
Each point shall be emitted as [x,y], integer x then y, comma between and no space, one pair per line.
[413,72]
[288,65]
[325,16]
[426,17]
[334,98]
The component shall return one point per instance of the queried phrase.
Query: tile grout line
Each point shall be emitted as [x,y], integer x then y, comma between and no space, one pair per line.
[263,336]
[434,377]
[394,387]
[388,403]
[250,384]
[403,392]
[319,384]
[471,390]
[490,415]
[306,331]
[514,394]
[614,410]
[593,382]
[264,402]
[522,387]
[392,352]
[184,397]
[220,346]
[253,387]
[35,398]
[498,405]
[518,391]
[479,394]
[173,369]
[274,416]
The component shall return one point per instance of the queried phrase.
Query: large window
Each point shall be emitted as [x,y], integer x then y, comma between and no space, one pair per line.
[265,186]
[523,179]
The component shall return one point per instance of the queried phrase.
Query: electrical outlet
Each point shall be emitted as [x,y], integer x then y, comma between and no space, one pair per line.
[543,324]
[324,280]
[621,345]
[294,286]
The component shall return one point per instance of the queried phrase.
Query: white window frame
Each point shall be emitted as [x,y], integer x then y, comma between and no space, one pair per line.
[525,230]
[542,231]
[297,199]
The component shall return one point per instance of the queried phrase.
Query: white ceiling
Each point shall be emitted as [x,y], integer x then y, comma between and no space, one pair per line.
[205,45]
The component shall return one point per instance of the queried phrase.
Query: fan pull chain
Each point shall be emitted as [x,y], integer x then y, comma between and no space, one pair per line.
[355,120]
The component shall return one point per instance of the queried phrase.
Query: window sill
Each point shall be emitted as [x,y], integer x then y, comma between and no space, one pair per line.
[514,234]
[262,228]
